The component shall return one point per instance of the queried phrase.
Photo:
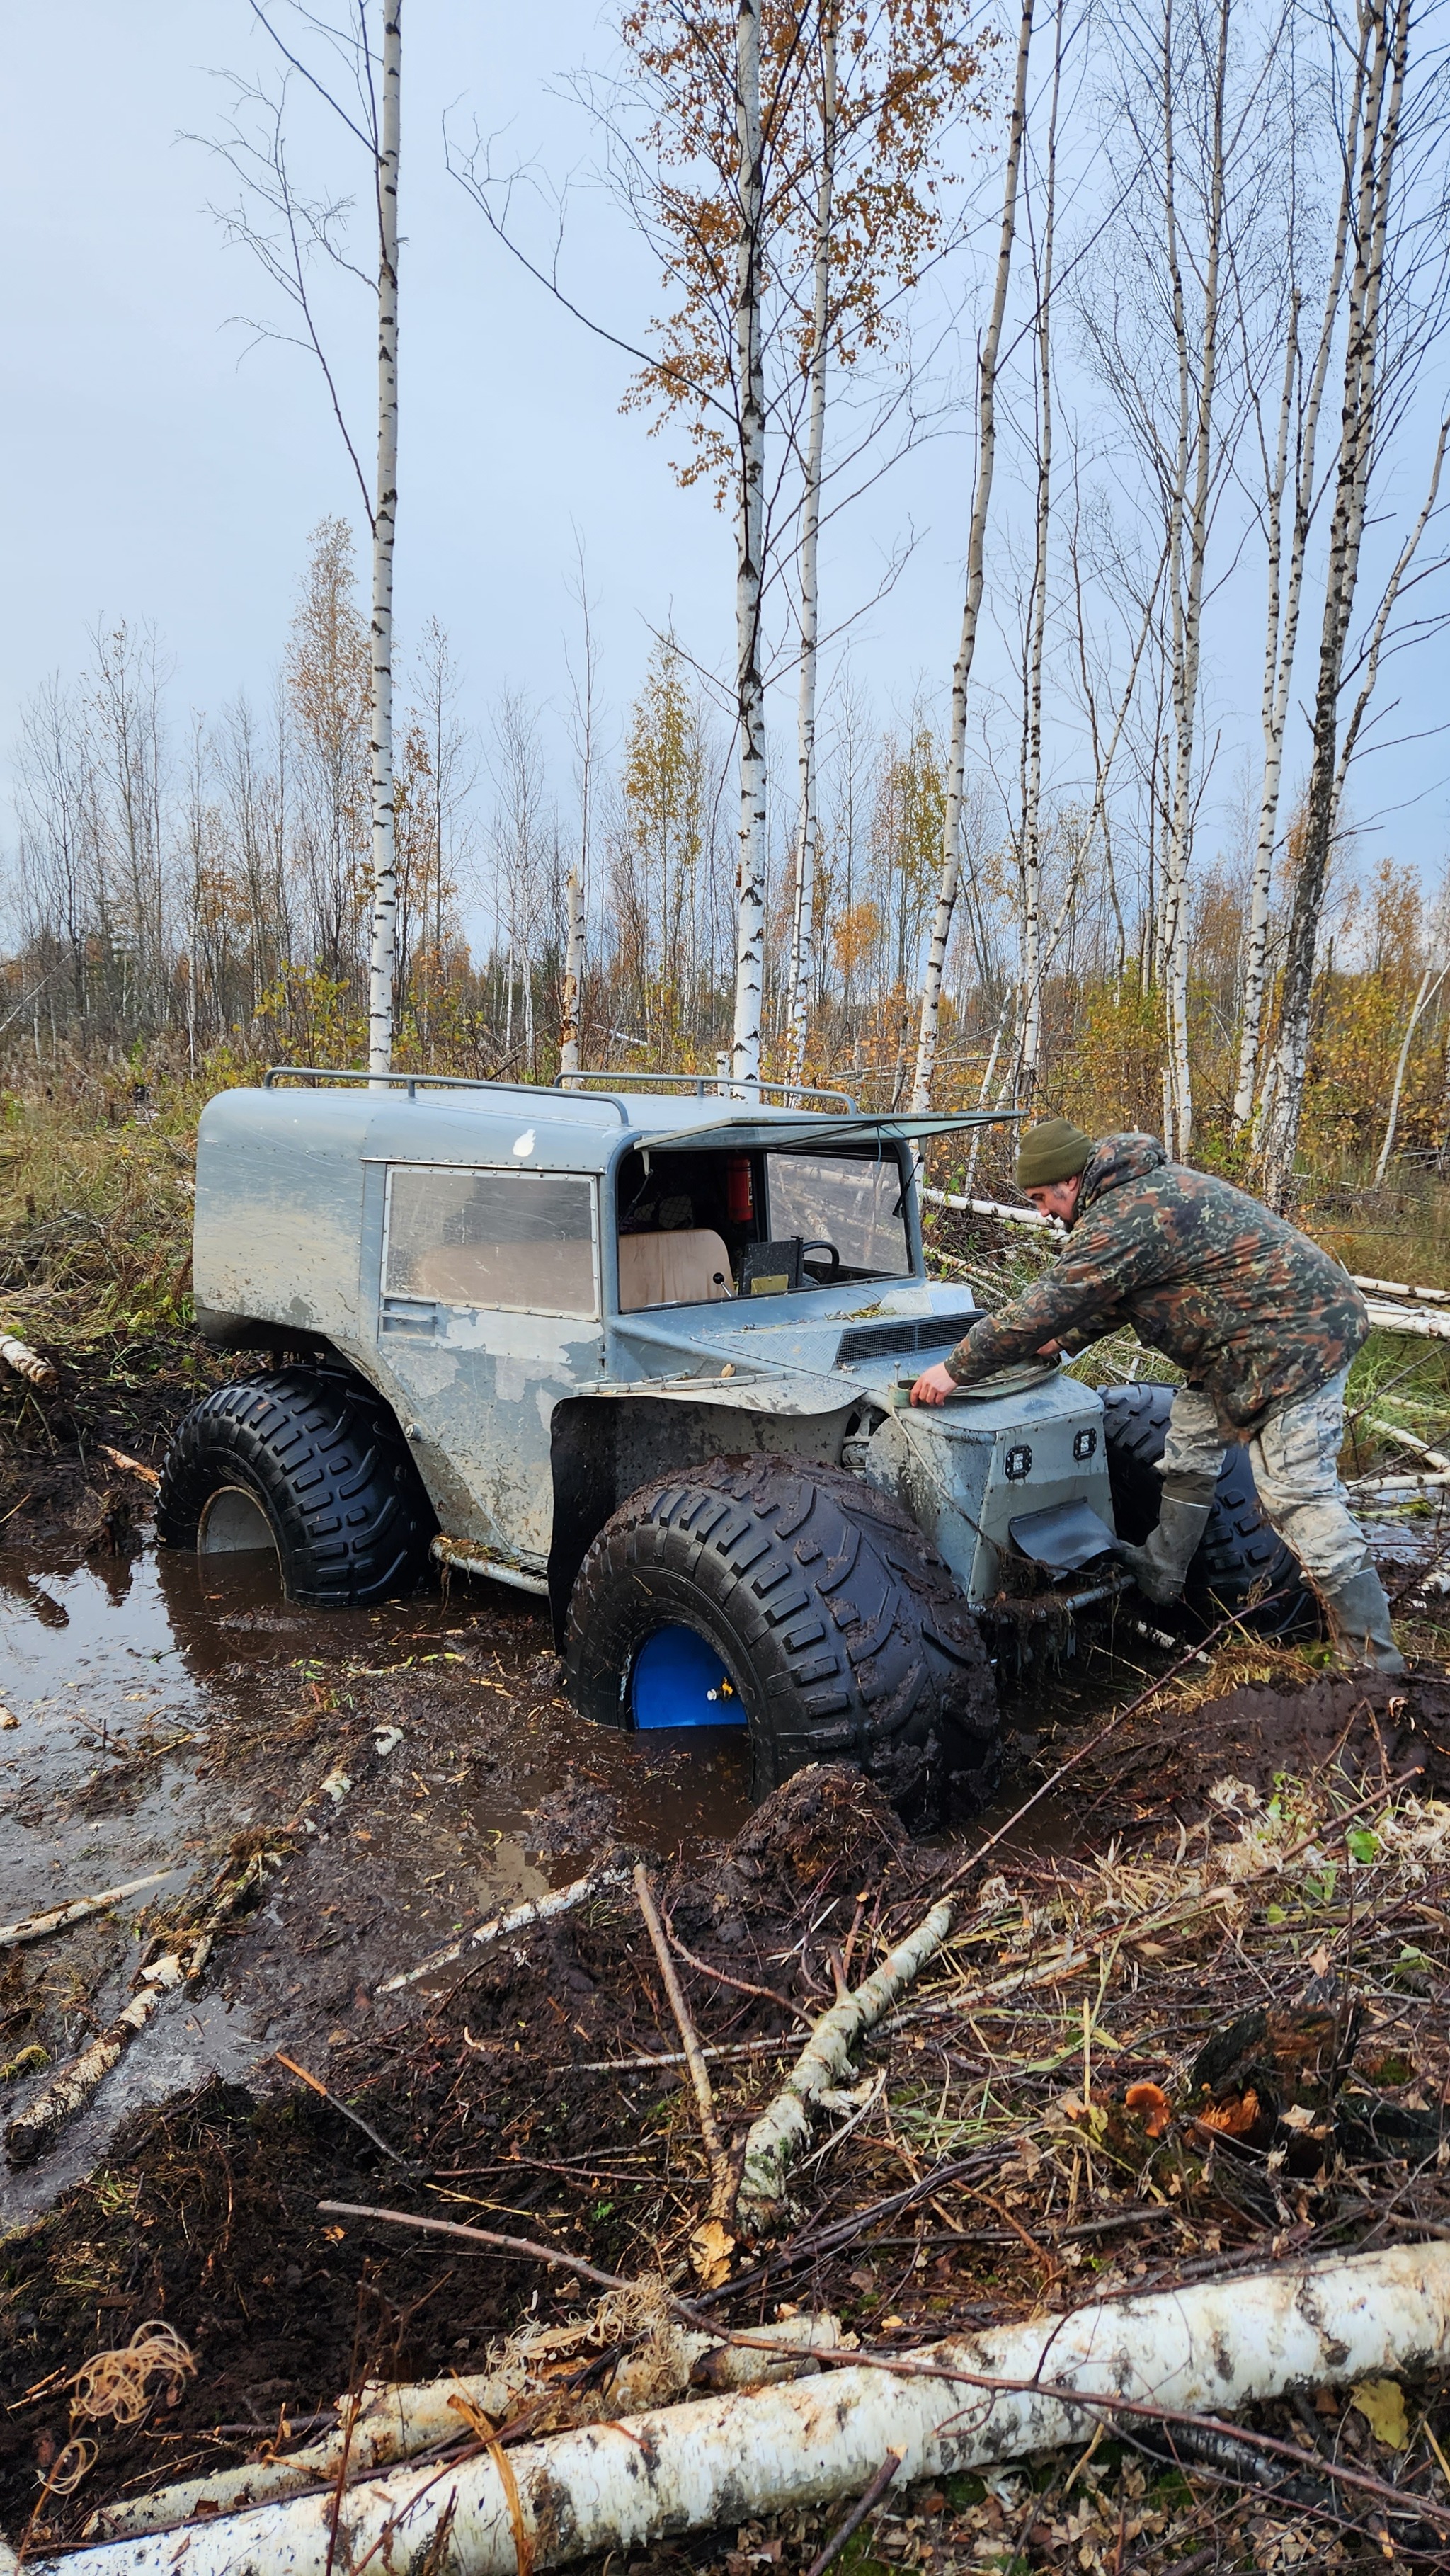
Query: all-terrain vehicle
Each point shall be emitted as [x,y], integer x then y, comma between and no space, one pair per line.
[645,1352]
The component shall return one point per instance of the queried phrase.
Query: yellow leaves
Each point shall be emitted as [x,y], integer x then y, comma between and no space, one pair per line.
[711,2247]
[855,937]
[1382,2404]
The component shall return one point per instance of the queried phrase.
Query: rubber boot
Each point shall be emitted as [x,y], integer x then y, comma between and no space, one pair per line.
[1359,1623]
[1159,1567]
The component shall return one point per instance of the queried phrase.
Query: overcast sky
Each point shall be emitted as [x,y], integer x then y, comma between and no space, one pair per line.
[162,474]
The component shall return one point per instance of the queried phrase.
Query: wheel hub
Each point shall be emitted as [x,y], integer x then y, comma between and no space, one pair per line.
[680,1680]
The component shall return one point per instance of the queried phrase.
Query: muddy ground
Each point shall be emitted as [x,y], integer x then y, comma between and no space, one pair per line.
[407,1772]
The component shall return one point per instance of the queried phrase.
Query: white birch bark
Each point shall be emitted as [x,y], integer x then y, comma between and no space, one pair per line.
[1377,182]
[951,857]
[805,851]
[1375,646]
[573,972]
[1030,1045]
[1281,639]
[613,2489]
[750,687]
[1190,532]
[385,515]
[1279,623]
[783,2127]
[1430,983]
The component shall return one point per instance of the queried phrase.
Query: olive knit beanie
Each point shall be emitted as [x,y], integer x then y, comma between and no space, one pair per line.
[1055,1150]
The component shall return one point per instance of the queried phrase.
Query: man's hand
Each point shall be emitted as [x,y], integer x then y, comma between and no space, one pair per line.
[934,1386]
[1049,1350]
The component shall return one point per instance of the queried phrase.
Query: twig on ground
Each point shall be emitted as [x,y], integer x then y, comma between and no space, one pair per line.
[844,2531]
[59,1918]
[783,2128]
[720,2175]
[519,1918]
[356,2117]
[130,1466]
[738,1985]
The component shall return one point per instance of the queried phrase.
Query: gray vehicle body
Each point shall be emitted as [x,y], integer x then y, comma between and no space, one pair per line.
[530,1426]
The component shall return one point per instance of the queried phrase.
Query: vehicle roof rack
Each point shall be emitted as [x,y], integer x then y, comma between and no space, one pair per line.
[415,1082]
[709,1086]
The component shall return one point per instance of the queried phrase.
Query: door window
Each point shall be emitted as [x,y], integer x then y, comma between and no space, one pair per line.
[519,1241]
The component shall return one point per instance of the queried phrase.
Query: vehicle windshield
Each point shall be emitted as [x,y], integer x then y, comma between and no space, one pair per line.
[698,1227]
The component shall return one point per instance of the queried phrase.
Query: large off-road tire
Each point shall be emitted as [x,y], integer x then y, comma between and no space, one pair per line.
[840,1627]
[319,1456]
[1241,1561]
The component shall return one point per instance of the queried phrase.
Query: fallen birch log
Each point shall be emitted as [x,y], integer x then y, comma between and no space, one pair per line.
[1209,2347]
[70,2089]
[1407,1440]
[25,1362]
[1397,1288]
[994,1207]
[784,2126]
[32,2129]
[59,1918]
[519,1918]
[1408,1319]
[1395,1489]
[394,2423]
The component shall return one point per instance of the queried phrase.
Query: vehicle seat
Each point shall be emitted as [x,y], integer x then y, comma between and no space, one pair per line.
[686,1267]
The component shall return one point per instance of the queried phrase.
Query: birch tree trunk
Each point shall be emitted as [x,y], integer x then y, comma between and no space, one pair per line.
[750,687]
[950,877]
[1029,1049]
[1196,423]
[1274,699]
[385,514]
[573,973]
[1377,178]
[1280,641]
[1430,983]
[805,852]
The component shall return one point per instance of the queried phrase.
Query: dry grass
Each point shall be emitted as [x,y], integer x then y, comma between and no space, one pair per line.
[96,1190]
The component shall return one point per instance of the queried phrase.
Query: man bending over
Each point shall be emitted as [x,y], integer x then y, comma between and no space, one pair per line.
[1262,1322]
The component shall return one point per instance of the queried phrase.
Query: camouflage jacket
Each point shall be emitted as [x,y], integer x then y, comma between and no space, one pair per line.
[1249,1308]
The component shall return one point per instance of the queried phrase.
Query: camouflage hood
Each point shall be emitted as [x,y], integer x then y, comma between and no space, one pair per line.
[1114,1160]
[1250,1310]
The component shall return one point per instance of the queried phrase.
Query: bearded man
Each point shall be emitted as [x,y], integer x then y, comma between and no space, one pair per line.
[1263,1323]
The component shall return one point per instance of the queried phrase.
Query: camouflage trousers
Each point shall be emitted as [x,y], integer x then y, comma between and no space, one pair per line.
[1295,1458]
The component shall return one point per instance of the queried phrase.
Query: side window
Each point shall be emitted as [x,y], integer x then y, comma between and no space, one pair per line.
[522,1241]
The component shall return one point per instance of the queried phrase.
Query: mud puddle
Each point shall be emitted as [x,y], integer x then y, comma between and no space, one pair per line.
[164,1709]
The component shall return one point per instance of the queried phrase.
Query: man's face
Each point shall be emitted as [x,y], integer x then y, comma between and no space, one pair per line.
[1059,1199]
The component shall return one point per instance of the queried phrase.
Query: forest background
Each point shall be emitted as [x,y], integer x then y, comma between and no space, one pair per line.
[1180,274]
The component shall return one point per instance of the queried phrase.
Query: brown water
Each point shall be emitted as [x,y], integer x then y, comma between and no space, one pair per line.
[125,1677]
[163,1706]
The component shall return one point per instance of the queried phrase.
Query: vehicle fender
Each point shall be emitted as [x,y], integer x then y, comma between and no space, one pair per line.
[606,1446]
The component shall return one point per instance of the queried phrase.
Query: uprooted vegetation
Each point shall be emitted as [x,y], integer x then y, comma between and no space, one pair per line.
[1216,2046]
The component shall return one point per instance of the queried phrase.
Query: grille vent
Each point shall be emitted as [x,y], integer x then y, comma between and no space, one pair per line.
[925,1333]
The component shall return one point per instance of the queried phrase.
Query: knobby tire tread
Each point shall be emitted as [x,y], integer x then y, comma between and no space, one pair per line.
[844,1630]
[1241,1560]
[323,1455]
